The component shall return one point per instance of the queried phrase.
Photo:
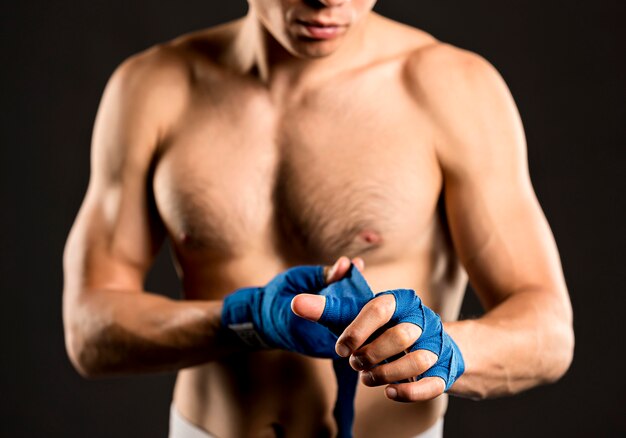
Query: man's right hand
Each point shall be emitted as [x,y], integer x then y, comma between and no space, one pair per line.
[262,316]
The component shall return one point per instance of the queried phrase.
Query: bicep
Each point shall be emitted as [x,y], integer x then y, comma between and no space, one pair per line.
[112,242]
[497,225]
[501,236]
[117,232]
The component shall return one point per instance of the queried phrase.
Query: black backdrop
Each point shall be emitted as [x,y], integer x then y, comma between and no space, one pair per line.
[563,61]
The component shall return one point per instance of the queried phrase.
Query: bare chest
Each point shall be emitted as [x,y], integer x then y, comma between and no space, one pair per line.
[340,172]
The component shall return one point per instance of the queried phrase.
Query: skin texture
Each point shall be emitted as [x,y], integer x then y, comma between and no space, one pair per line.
[253,147]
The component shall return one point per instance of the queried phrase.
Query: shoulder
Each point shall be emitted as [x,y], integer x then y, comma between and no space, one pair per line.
[143,98]
[470,106]
[153,88]
[145,94]
[168,71]
[440,71]
[432,68]
[158,73]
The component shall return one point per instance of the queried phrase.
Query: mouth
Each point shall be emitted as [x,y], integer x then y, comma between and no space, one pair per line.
[320,30]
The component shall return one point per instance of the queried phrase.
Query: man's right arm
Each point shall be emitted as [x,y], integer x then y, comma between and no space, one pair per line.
[111,325]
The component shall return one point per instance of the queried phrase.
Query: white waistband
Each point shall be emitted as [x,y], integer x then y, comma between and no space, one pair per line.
[180,427]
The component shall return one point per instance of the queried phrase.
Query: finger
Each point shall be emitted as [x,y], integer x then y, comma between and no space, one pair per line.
[391,342]
[422,390]
[308,306]
[372,316]
[337,270]
[359,263]
[405,368]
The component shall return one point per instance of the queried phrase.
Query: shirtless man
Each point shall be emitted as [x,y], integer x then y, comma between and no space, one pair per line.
[305,131]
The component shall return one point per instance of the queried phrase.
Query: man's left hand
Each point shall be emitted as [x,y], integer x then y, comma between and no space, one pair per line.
[431,363]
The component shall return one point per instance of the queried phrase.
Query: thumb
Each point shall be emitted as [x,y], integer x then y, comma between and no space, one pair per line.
[331,311]
[308,306]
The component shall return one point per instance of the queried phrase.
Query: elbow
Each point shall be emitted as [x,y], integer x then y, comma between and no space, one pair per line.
[83,368]
[556,340]
[563,352]
[80,354]
[75,354]
[85,348]
[86,335]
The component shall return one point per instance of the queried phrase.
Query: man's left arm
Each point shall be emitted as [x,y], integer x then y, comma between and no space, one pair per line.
[502,238]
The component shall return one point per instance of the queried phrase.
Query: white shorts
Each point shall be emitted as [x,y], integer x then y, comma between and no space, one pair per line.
[180,427]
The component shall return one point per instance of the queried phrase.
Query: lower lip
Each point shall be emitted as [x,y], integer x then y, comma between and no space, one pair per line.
[322,32]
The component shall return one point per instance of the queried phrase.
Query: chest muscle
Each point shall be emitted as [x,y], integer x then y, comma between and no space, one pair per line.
[338,173]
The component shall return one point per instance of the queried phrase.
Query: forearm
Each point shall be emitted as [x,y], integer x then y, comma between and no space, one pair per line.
[116,332]
[525,341]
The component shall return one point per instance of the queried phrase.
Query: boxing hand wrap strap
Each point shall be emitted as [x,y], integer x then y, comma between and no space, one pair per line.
[347,380]
[262,316]
[344,300]
[409,308]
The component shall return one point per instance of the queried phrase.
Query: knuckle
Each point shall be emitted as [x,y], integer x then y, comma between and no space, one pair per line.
[389,304]
[405,335]
[381,375]
[414,363]
[426,358]
[351,338]
[415,393]
[406,393]
[418,363]
[378,310]
[383,307]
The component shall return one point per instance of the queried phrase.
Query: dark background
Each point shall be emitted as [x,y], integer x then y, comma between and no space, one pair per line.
[563,61]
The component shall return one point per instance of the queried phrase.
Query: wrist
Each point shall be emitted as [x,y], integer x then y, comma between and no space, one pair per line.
[238,317]
[461,332]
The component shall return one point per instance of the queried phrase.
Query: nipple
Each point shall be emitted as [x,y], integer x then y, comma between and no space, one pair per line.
[371,237]
[184,238]
[187,240]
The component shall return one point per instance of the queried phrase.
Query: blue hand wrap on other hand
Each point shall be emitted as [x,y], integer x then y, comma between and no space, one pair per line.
[262,316]
[344,300]
[409,308]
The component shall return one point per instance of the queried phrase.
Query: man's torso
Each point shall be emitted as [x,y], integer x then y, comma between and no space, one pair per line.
[248,184]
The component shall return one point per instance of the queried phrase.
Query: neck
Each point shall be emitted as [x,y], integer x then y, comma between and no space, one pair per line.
[259,52]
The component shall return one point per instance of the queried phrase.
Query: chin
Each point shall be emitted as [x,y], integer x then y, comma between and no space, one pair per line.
[313,49]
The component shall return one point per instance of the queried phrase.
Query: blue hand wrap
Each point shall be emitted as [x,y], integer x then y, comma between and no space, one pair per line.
[344,300]
[409,308]
[262,316]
